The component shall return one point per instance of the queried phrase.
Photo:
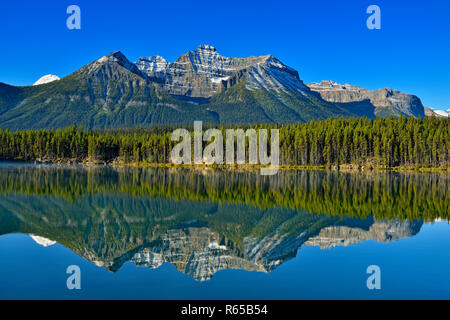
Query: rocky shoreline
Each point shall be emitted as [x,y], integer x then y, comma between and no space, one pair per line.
[341,168]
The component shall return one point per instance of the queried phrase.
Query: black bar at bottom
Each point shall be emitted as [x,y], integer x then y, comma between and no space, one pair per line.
[223,309]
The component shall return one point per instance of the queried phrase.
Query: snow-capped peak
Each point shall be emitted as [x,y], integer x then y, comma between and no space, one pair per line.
[206,47]
[442,113]
[152,64]
[42,241]
[46,79]
[203,72]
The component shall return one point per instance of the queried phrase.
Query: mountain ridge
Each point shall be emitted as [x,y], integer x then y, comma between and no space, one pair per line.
[113,92]
[385,101]
[151,231]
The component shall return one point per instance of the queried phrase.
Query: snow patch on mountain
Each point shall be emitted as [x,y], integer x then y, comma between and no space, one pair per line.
[42,241]
[46,79]
[437,113]
[219,80]
[150,65]
[442,113]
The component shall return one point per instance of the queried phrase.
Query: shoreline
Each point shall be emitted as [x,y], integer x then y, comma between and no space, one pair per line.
[341,168]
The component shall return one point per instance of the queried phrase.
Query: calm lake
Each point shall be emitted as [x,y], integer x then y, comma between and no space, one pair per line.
[162,233]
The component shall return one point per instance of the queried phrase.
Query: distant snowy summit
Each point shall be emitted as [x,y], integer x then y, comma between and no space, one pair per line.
[437,113]
[42,241]
[442,113]
[46,79]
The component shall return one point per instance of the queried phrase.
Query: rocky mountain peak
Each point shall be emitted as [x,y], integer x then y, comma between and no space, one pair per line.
[119,57]
[203,55]
[380,102]
[112,61]
[196,250]
[220,89]
[152,65]
[380,230]
[203,72]
[332,86]
[206,47]
[115,56]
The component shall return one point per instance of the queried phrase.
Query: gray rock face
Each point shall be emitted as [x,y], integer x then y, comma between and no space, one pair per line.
[193,251]
[380,230]
[110,62]
[203,72]
[271,251]
[200,252]
[384,102]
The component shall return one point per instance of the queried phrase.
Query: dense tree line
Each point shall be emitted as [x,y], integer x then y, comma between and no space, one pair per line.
[387,142]
[384,142]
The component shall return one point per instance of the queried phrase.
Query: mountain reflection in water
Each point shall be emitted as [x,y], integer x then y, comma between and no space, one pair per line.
[205,221]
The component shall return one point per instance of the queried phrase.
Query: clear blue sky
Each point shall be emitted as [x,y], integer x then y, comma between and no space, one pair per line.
[321,39]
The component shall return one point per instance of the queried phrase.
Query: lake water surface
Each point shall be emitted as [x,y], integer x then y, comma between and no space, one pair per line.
[192,234]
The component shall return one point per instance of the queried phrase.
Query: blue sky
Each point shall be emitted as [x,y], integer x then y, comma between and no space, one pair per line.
[323,40]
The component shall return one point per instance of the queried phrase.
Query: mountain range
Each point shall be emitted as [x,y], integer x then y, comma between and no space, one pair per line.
[198,239]
[203,221]
[113,92]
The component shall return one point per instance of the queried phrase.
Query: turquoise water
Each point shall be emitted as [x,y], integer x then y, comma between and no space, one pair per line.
[165,234]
